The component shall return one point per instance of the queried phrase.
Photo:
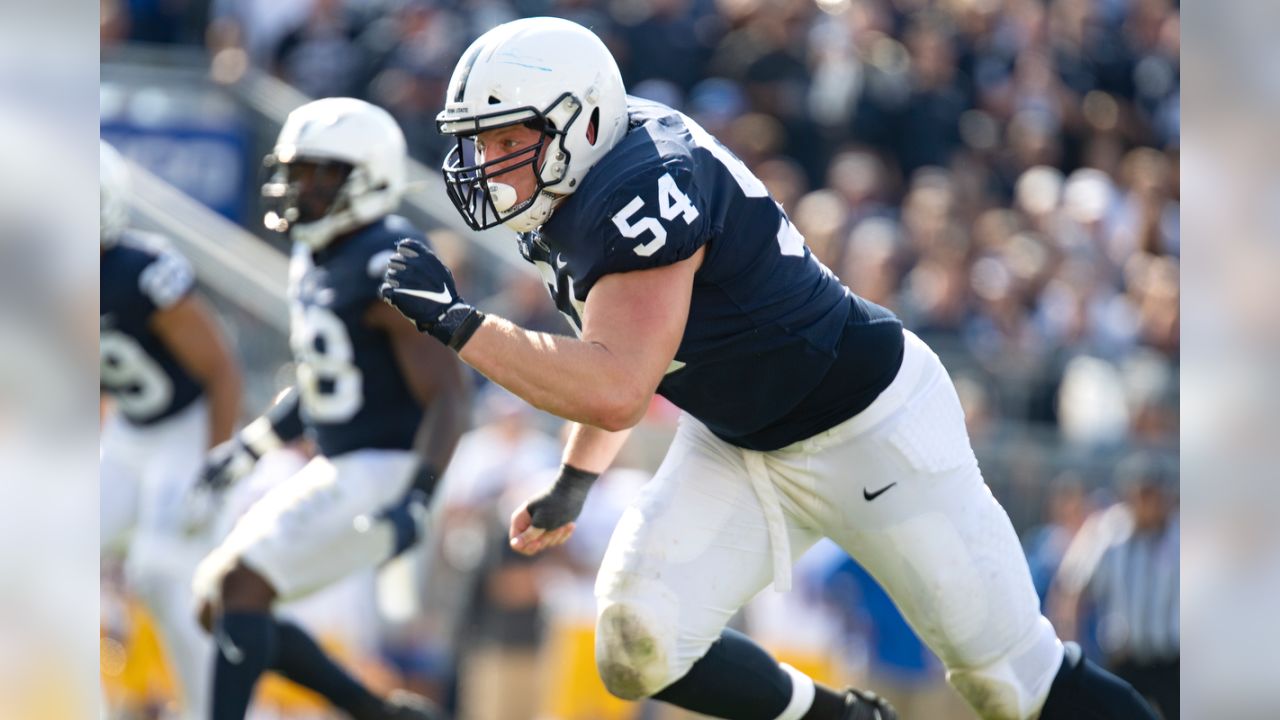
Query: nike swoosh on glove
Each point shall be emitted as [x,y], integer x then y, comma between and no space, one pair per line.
[422,289]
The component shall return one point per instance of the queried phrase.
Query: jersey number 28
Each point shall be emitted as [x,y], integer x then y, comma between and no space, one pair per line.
[328,379]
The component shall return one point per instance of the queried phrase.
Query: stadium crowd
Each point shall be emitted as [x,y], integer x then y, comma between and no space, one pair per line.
[1003,174]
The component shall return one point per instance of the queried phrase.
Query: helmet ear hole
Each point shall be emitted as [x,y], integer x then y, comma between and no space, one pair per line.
[593,126]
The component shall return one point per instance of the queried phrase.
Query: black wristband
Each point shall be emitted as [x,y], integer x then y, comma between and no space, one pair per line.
[466,329]
[563,501]
[455,327]
[574,476]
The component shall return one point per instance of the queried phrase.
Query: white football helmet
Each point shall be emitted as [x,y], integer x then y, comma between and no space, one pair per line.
[551,73]
[360,144]
[113,193]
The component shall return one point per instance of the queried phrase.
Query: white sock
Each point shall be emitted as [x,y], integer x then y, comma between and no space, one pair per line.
[801,694]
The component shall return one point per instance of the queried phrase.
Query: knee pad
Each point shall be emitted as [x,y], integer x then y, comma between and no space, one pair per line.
[1015,685]
[632,652]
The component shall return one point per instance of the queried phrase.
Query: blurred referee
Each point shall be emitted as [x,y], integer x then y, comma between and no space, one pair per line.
[1123,567]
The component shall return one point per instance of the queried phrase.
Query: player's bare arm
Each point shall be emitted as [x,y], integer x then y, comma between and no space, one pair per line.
[591,448]
[631,329]
[632,325]
[191,332]
[436,382]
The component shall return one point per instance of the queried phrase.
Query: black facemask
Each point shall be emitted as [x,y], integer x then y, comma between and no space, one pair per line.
[302,191]
[467,182]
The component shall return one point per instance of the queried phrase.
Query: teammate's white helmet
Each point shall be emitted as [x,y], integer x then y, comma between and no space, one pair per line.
[113,193]
[345,135]
[552,73]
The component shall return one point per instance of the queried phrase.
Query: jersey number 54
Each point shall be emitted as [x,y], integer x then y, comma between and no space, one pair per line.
[671,204]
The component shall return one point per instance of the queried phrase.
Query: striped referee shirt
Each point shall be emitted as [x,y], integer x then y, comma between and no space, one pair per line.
[1134,586]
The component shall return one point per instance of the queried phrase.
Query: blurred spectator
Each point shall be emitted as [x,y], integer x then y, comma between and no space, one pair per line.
[870,266]
[490,592]
[927,126]
[255,25]
[1067,508]
[669,40]
[167,21]
[785,180]
[1125,563]
[320,55]
[411,52]
[1147,215]
[820,217]
[860,177]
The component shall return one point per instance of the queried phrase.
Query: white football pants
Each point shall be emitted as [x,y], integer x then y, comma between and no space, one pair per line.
[897,486]
[318,526]
[147,473]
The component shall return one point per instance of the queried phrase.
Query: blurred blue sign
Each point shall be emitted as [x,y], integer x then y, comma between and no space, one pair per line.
[202,154]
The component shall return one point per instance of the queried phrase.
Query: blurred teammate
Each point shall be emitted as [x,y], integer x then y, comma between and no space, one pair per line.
[808,411]
[175,392]
[383,404]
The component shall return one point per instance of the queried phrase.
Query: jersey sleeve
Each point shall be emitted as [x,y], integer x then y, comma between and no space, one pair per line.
[165,280]
[654,217]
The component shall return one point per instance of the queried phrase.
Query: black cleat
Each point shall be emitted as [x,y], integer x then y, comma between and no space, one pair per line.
[404,705]
[866,705]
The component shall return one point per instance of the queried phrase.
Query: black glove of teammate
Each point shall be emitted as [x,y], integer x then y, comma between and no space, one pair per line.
[422,289]
[561,503]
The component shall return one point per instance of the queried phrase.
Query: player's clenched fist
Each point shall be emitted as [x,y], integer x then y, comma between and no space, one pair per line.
[547,520]
[422,289]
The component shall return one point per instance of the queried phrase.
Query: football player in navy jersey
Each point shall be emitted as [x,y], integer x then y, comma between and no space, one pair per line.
[808,411]
[383,405]
[173,391]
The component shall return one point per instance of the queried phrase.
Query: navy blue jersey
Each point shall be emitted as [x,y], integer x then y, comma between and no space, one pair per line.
[353,393]
[140,276]
[775,348]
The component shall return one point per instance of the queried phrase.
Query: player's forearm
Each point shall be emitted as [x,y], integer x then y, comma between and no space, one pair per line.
[591,448]
[576,380]
[443,423]
[222,394]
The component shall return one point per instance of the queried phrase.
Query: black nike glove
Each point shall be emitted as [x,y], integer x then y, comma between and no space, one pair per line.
[422,289]
[562,502]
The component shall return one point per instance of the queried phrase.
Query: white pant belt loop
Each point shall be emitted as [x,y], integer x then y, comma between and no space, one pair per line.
[779,542]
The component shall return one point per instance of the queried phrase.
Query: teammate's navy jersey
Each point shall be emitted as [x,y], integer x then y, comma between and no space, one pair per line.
[775,349]
[353,393]
[140,276]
